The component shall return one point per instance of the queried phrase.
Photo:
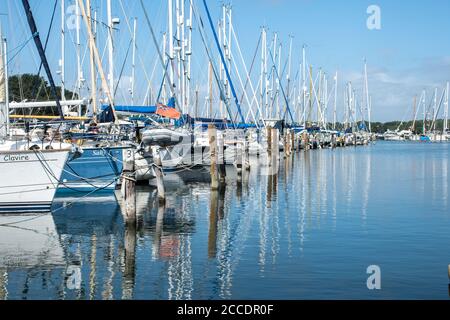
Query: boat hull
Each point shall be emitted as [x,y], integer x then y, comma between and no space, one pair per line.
[96,169]
[29,179]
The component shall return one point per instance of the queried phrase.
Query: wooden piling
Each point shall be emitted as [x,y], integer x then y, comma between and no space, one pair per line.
[159,175]
[269,140]
[246,154]
[212,134]
[128,189]
[239,158]
[292,141]
[275,143]
[306,141]
[221,159]
[286,143]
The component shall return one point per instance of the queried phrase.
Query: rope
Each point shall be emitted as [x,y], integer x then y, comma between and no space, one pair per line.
[21,47]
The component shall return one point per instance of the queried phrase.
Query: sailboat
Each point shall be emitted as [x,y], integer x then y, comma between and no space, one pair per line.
[30,168]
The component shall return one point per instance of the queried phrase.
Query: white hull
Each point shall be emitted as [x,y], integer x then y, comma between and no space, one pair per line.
[29,179]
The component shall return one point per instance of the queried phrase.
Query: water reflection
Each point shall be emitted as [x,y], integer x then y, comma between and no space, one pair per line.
[299,233]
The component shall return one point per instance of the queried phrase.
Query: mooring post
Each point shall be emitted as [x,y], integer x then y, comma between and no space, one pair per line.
[305,141]
[275,143]
[221,158]
[128,189]
[286,143]
[269,140]
[239,157]
[292,141]
[212,134]
[247,153]
[159,175]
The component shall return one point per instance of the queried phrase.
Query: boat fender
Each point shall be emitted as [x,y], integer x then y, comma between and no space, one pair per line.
[34,147]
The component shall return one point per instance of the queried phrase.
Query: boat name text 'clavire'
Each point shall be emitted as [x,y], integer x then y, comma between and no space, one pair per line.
[13,158]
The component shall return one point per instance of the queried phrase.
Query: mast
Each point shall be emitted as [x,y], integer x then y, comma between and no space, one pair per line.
[63,51]
[335,100]
[424,113]
[91,59]
[435,108]
[110,47]
[288,77]
[164,67]
[210,89]
[4,92]
[98,61]
[40,48]
[304,84]
[366,89]
[413,127]
[266,80]
[133,68]
[179,49]
[310,93]
[78,50]
[445,128]
[170,22]
[278,81]
[274,54]
[263,89]
[227,73]
[319,96]
[188,53]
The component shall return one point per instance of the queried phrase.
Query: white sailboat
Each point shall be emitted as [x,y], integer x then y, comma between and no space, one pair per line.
[29,170]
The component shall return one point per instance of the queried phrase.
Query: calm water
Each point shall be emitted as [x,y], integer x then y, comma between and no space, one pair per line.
[308,233]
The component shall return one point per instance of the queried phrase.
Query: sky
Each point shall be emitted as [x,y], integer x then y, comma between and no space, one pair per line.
[408,54]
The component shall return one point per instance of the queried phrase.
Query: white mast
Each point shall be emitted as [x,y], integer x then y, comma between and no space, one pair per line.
[91,58]
[366,89]
[188,53]
[228,42]
[446,108]
[325,102]
[164,93]
[263,88]
[288,77]
[304,84]
[178,49]
[133,67]
[435,107]
[63,53]
[4,91]
[110,48]
[278,113]
[424,112]
[78,49]
[335,100]
[170,16]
